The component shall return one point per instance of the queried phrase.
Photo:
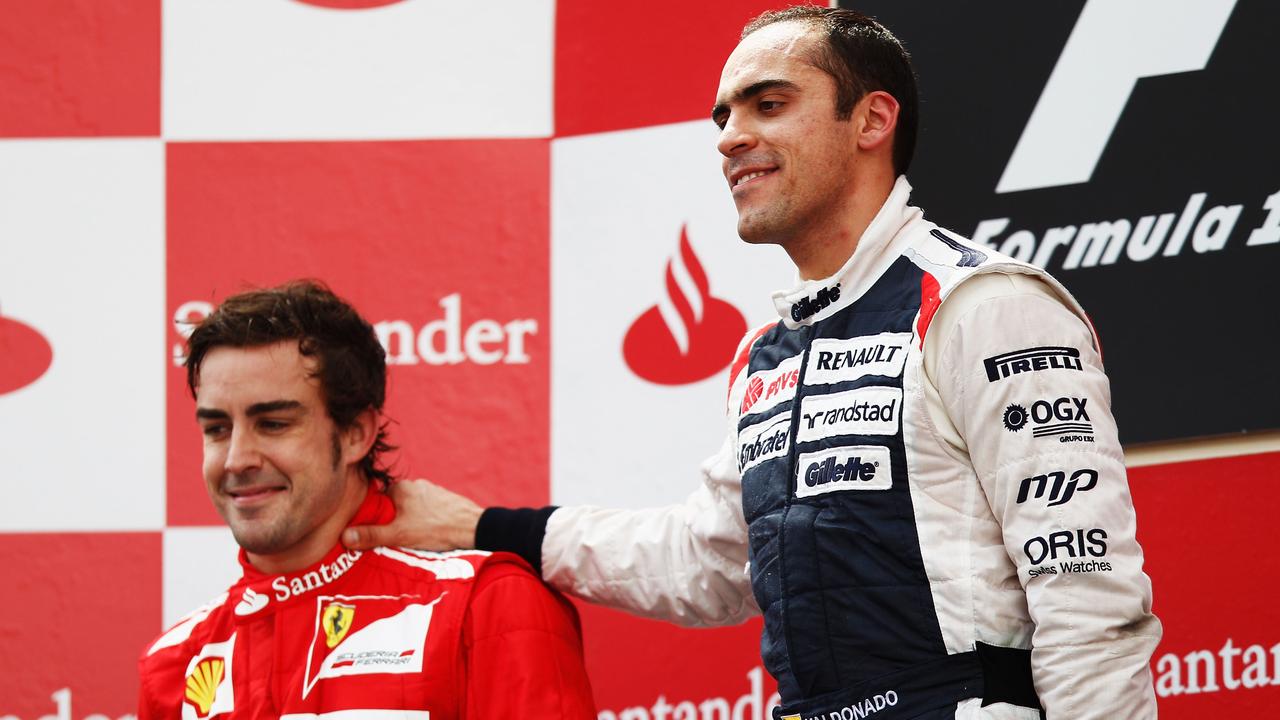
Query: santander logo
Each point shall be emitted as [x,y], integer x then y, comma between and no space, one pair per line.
[27,355]
[689,335]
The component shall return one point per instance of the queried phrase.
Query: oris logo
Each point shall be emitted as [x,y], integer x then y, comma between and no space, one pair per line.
[1062,489]
[689,335]
[27,355]
[808,307]
[1064,417]
[1066,544]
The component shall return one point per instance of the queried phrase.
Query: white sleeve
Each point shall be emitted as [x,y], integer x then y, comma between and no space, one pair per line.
[1044,445]
[683,563]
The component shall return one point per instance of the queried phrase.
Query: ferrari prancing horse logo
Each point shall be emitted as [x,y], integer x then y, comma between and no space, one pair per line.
[336,619]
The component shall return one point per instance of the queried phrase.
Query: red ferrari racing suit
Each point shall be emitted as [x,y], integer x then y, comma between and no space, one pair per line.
[393,633]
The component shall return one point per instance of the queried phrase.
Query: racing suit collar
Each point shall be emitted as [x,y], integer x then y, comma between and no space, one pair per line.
[260,592]
[813,300]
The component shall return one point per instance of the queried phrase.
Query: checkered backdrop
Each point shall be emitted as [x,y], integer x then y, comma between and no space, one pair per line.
[525,197]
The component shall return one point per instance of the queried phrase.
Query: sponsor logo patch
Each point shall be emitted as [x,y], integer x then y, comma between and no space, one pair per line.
[1033,359]
[767,388]
[763,441]
[370,635]
[251,602]
[337,619]
[1061,488]
[865,411]
[1066,545]
[810,306]
[208,688]
[862,467]
[1064,418]
[834,360]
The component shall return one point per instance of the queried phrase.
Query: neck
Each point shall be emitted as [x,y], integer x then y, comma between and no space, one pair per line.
[820,251]
[313,546]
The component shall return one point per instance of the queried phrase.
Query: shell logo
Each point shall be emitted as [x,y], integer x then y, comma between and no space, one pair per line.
[202,684]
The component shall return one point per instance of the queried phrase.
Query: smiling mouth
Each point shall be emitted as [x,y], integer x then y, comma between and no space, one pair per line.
[253,496]
[749,177]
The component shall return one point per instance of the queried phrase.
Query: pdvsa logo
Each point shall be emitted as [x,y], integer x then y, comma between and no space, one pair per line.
[689,335]
[27,355]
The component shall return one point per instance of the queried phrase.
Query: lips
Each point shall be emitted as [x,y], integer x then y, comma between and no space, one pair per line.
[248,496]
[742,176]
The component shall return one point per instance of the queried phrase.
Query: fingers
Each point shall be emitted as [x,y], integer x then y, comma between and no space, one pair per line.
[364,537]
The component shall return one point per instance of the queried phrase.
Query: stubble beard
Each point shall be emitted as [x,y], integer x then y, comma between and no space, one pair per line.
[271,537]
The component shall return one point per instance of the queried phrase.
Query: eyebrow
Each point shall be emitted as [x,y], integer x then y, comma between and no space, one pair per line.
[750,91]
[261,408]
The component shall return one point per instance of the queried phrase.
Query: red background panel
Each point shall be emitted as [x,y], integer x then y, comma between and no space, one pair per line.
[632,661]
[1208,531]
[394,227]
[76,617]
[647,66]
[79,68]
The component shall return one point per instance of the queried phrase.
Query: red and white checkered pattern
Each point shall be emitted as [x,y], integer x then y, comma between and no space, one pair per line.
[501,188]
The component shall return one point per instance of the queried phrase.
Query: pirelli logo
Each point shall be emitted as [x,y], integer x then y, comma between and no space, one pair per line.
[1033,359]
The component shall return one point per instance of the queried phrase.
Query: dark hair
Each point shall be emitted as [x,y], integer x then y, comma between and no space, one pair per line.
[350,362]
[862,56]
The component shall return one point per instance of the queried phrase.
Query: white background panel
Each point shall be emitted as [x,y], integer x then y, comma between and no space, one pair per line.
[82,262]
[618,203]
[200,563]
[267,69]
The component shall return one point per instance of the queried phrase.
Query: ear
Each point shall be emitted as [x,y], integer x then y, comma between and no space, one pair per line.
[878,112]
[359,437]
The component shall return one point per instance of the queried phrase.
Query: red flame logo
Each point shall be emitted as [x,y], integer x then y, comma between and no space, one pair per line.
[689,335]
[350,4]
[24,355]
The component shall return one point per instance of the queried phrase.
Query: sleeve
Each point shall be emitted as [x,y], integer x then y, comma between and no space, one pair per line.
[684,563]
[1021,378]
[523,649]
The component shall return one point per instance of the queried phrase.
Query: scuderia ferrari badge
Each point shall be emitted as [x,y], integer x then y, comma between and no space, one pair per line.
[336,619]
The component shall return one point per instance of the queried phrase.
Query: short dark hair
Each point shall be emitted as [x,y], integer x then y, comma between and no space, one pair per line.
[350,362]
[862,56]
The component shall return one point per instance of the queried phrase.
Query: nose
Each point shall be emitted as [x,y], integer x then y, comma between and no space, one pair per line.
[242,452]
[736,137]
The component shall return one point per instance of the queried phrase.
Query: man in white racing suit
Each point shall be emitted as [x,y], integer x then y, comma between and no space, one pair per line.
[921,488]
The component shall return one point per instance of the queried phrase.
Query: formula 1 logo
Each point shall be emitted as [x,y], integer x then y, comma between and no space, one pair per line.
[1113,45]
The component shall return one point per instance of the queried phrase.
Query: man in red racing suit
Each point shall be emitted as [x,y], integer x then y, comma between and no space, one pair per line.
[312,630]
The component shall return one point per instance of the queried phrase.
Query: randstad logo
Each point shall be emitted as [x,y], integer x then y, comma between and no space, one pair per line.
[689,335]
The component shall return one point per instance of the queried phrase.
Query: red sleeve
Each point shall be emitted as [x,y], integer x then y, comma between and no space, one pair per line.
[523,648]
